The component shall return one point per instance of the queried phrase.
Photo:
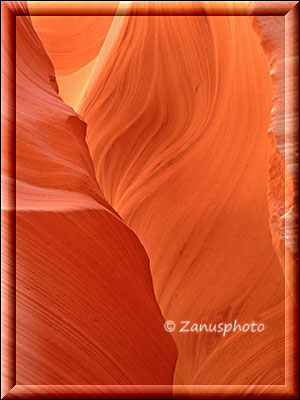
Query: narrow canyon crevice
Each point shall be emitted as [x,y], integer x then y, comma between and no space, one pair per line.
[153,184]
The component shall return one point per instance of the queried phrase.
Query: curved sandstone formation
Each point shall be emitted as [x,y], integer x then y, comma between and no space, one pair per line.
[283,194]
[86,311]
[282,51]
[177,112]
[72,42]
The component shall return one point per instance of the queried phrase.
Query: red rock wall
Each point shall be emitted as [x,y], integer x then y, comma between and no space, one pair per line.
[86,311]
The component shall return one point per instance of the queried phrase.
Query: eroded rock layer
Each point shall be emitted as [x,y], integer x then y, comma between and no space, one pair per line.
[283,194]
[177,119]
[85,306]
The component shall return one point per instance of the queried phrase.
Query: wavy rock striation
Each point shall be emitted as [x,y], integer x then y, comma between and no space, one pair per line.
[177,114]
[86,311]
[283,194]
[72,42]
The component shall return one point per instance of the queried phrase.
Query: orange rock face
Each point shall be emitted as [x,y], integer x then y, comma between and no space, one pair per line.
[151,185]
[180,151]
[85,306]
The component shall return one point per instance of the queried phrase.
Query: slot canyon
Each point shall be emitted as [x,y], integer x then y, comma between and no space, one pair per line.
[155,180]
